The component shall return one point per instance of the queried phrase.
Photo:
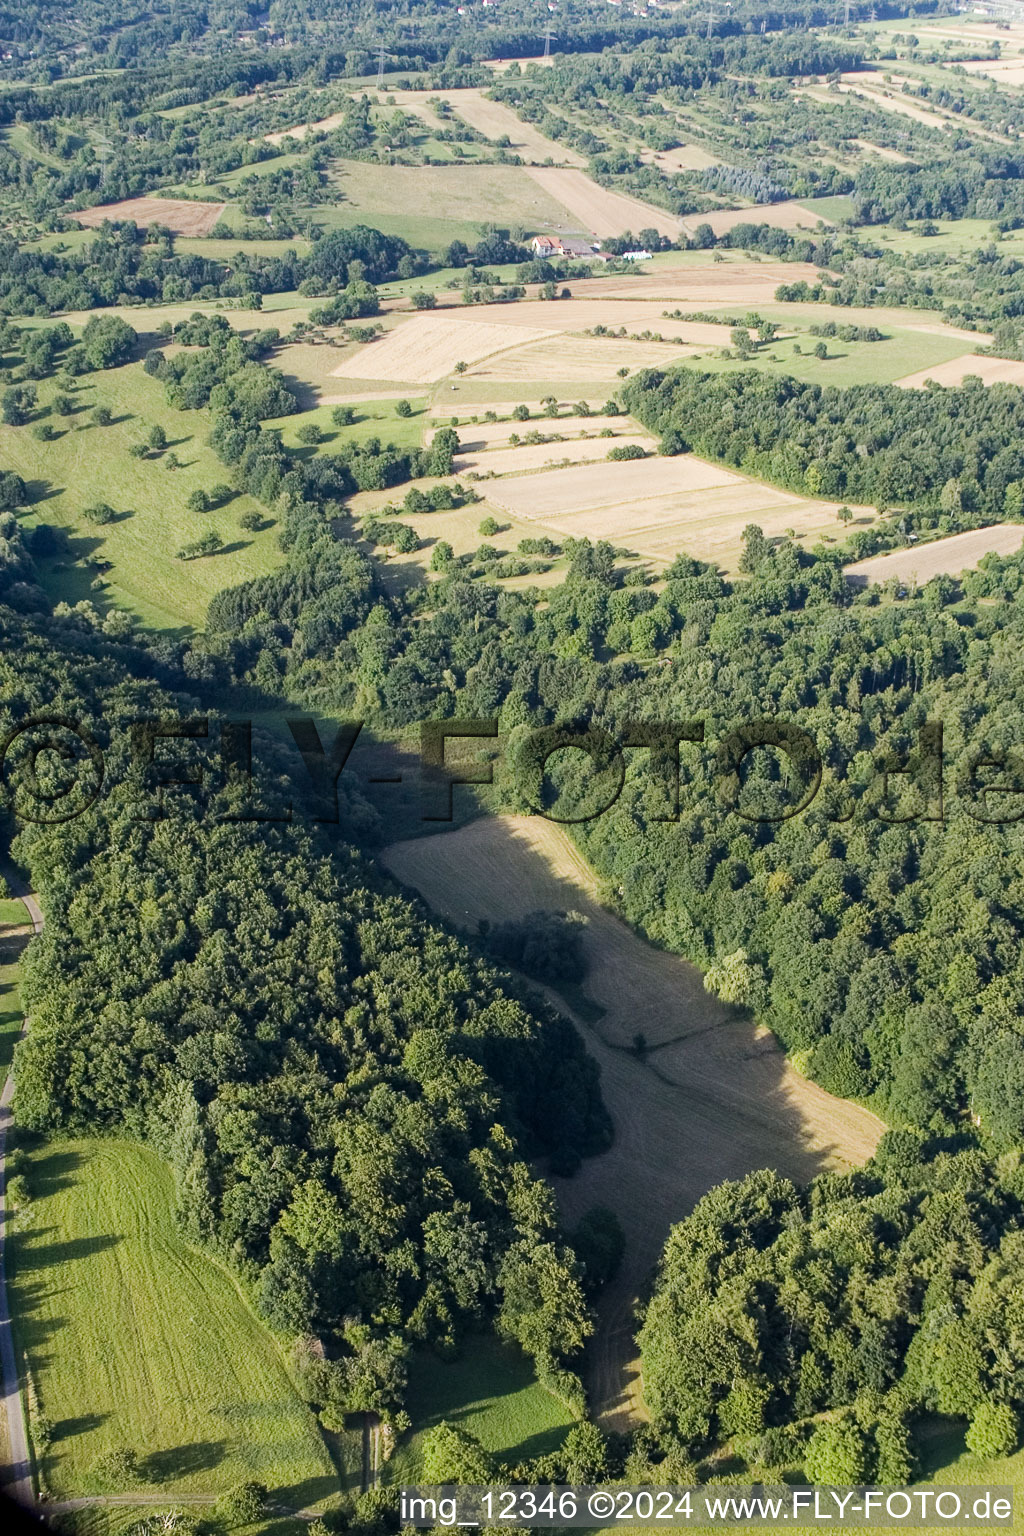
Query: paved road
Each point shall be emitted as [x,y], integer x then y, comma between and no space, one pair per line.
[17,1475]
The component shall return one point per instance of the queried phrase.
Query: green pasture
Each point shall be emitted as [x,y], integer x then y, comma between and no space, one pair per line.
[492,1392]
[136,1340]
[87,464]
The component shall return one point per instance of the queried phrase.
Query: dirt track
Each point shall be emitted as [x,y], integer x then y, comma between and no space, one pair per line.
[712,1098]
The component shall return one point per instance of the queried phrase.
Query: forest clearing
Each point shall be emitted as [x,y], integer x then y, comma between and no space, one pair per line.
[711,1097]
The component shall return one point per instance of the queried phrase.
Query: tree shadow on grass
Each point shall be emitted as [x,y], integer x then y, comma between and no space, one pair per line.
[67,1429]
[42,490]
[53,1171]
[309,1491]
[183,1461]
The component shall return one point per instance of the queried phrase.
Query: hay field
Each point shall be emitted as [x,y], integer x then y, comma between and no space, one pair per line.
[991,370]
[941,557]
[494,120]
[461,193]
[178,214]
[715,285]
[661,506]
[427,346]
[137,1340]
[466,406]
[599,210]
[713,1098]
[299,132]
[685,157]
[583,359]
[534,456]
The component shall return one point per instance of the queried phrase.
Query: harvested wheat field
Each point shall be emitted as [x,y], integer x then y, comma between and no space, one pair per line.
[661,506]
[583,359]
[178,214]
[496,121]
[426,347]
[785,215]
[727,1102]
[600,211]
[717,285]
[534,456]
[1003,71]
[940,557]
[991,370]
[480,435]
[583,313]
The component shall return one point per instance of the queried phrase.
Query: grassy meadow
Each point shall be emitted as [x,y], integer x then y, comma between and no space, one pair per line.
[490,1391]
[134,1339]
[89,463]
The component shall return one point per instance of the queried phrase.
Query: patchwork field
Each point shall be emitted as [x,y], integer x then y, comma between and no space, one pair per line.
[991,370]
[427,347]
[136,1340]
[660,506]
[940,557]
[599,210]
[180,215]
[888,97]
[713,1098]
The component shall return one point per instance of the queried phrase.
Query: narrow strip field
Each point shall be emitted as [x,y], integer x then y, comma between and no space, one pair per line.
[136,1340]
[496,121]
[784,215]
[940,557]
[600,210]
[712,1098]
[991,370]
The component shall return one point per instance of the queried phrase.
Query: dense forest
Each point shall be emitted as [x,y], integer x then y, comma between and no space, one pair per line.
[347,1096]
[950,452]
[357,1105]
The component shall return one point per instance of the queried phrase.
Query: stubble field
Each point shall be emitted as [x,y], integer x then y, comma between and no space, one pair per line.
[712,1097]
[181,215]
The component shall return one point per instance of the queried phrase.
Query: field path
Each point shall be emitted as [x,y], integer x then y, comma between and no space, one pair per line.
[18,1471]
[710,1097]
